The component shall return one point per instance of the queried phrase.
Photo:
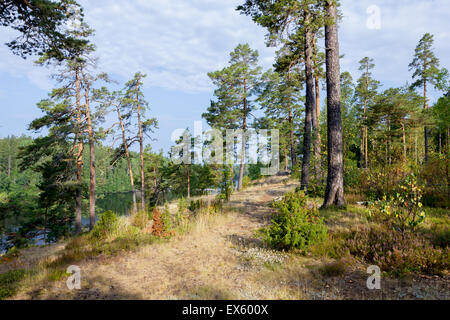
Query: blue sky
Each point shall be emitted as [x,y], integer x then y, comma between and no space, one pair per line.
[176,42]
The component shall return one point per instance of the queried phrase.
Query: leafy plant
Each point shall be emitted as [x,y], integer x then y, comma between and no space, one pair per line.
[404,210]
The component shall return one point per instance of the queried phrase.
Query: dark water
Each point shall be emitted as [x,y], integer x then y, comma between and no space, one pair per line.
[118,202]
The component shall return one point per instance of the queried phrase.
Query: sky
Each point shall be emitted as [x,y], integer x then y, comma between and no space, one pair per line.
[177,42]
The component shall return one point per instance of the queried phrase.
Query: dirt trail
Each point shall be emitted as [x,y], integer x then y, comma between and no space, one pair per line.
[204,264]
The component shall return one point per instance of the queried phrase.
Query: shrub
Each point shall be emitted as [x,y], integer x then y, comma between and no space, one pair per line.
[397,253]
[166,218]
[226,185]
[140,219]
[181,212]
[106,225]
[316,187]
[435,177]
[404,210]
[246,181]
[9,282]
[254,171]
[379,181]
[294,226]
[333,269]
[197,205]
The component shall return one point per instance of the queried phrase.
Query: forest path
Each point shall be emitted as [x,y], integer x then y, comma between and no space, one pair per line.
[207,263]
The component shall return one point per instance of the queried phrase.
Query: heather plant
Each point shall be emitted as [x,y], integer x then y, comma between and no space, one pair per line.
[397,253]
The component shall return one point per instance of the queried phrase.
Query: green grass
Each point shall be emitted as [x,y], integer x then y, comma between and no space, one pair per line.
[10,282]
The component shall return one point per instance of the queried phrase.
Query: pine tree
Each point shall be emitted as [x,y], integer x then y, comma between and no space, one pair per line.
[135,99]
[334,193]
[366,90]
[293,22]
[236,85]
[43,27]
[426,69]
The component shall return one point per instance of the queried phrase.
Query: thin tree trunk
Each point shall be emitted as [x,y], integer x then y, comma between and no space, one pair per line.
[310,105]
[291,137]
[127,154]
[286,160]
[317,141]
[91,161]
[141,145]
[365,118]
[79,159]
[244,128]
[188,181]
[366,147]
[425,128]
[362,148]
[45,226]
[334,193]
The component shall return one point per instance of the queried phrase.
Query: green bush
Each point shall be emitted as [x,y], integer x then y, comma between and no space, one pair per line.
[294,226]
[254,171]
[106,225]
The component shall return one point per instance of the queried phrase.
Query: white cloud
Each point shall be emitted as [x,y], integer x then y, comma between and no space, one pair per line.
[175,42]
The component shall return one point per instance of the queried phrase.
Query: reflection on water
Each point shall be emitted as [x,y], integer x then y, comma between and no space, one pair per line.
[118,202]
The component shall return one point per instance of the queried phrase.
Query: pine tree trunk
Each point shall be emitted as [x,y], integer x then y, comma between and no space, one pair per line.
[141,145]
[292,139]
[362,148]
[366,147]
[79,159]
[317,137]
[334,193]
[317,141]
[425,128]
[366,160]
[309,108]
[286,160]
[127,154]
[91,162]
[188,181]
[244,128]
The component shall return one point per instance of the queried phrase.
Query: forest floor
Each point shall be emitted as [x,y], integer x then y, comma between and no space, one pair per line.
[221,257]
